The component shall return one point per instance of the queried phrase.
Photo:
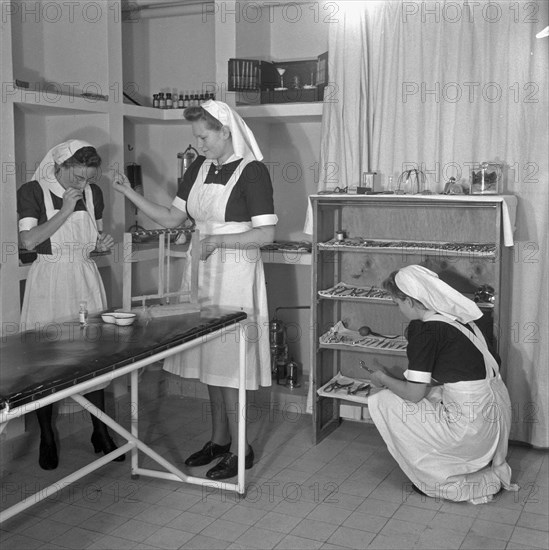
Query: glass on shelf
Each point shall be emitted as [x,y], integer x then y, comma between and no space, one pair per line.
[486,178]
[281,72]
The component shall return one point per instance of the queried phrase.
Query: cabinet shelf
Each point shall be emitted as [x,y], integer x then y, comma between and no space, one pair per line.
[362,349]
[472,250]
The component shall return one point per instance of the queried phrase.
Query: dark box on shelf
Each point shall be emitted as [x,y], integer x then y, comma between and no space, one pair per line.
[258,81]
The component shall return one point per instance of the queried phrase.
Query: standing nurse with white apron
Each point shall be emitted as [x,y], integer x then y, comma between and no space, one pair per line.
[227,191]
[447,423]
[60,215]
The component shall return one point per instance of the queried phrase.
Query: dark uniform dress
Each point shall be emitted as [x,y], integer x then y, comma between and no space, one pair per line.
[63,275]
[234,198]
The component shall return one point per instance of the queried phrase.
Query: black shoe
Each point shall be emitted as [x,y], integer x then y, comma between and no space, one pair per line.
[228,466]
[209,452]
[47,458]
[104,443]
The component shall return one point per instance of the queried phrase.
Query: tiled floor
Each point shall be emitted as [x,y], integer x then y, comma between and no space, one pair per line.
[346,492]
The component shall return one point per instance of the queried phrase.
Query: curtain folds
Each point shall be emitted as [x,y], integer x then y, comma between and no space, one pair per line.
[439,86]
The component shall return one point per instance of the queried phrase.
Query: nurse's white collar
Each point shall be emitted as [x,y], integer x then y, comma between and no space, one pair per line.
[232,158]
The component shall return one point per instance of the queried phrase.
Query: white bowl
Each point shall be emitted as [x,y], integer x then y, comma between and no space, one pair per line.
[119,318]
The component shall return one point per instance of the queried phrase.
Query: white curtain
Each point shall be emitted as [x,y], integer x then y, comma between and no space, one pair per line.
[438,86]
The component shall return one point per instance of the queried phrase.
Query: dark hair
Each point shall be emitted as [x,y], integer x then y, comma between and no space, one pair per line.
[192,114]
[389,284]
[86,156]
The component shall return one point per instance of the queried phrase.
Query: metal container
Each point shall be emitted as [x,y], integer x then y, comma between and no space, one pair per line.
[292,380]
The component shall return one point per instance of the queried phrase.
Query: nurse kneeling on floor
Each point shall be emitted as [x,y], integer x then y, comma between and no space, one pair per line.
[227,191]
[447,423]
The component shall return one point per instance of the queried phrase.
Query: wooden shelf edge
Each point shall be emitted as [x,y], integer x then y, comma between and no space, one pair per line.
[362,349]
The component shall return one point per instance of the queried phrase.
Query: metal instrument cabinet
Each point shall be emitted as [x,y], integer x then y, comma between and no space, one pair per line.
[458,237]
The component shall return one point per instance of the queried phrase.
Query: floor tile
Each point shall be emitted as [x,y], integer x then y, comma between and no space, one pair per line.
[492,529]
[200,542]
[313,529]
[193,523]
[292,542]
[329,514]
[531,537]
[224,530]
[474,542]
[533,521]
[262,539]
[351,538]
[281,523]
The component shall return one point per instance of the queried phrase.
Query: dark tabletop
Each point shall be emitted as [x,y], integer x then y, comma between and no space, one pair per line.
[38,363]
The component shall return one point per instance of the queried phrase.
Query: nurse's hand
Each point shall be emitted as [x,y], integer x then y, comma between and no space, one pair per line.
[121,183]
[207,246]
[104,242]
[379,378]
[70,197]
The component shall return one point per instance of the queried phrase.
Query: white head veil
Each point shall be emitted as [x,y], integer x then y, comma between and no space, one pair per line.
[244,143]
[424,285]
[45,173]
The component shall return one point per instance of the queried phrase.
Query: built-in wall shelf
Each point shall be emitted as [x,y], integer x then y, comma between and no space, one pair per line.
[152,115]
[59,105]
[282,112]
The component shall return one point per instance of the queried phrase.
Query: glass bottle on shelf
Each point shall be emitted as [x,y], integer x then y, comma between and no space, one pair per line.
[180,102]
[169,102]
[161,101]
[155,101]
[83,314]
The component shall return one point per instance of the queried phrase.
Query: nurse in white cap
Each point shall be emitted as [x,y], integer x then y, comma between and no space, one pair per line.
[61,217]
[447,421]
[228,192]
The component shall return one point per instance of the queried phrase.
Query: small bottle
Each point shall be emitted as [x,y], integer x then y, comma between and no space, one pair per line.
[161,101]
[83,314]
[201,99]
[155,101]
[186,101]
[169,102]
[180,102]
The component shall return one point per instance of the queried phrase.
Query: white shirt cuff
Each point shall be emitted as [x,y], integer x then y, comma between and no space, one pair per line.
[180,204]
[417,376]
[264,219]
[25,224]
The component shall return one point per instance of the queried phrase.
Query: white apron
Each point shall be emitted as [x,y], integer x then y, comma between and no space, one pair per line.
[232,279]
[58,283]
[453,443]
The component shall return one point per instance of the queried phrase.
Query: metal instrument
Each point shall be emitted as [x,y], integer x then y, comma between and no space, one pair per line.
[360,388]
[337,386]
[365,367]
